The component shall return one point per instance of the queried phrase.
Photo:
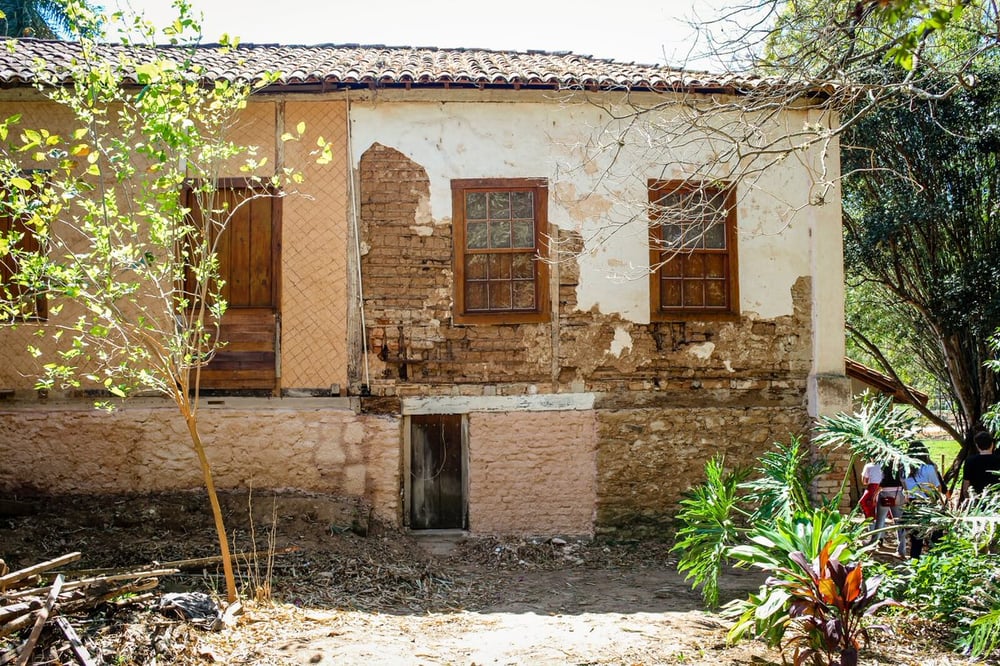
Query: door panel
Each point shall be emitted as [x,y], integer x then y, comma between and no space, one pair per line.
[437,472]
[249,259]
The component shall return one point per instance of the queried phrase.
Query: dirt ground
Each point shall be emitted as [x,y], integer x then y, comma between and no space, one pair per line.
[343,589]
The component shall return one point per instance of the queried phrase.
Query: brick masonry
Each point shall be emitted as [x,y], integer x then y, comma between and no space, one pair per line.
[672,395]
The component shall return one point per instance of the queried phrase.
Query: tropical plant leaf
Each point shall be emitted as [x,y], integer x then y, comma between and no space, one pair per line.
[708,520]
[877,431]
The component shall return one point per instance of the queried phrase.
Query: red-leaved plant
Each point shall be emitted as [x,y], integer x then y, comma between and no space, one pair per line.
[828,602]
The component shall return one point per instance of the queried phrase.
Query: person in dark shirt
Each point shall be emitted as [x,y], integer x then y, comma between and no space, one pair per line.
[982,469]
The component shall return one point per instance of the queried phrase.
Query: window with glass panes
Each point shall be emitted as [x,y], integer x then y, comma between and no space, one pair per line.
[693,256]
[499,227]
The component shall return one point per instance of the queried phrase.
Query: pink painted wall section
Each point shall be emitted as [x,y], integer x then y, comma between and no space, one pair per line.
[533,472]
[142,449]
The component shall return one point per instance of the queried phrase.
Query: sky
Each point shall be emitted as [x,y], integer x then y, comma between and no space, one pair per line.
[642,31]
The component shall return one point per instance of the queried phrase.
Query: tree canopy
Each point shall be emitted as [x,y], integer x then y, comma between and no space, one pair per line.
[921,197]
[45,19]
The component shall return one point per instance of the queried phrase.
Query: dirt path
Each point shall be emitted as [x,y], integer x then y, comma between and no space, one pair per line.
[349,591]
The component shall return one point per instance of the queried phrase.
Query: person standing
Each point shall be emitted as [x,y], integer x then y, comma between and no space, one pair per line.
[890,503]
[871,479]
[922,485]
[983,468]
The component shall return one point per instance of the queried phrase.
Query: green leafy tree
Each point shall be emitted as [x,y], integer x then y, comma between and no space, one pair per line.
[130,274]
[44,19]
[921,197]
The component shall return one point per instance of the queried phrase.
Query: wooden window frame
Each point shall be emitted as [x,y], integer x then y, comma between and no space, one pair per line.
[41,302]
[539,186]
[657,189]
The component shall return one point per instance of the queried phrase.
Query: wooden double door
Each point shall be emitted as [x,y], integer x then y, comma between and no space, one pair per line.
[249,253]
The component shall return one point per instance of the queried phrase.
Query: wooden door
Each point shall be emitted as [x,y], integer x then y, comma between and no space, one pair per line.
[437,472]
[249,252]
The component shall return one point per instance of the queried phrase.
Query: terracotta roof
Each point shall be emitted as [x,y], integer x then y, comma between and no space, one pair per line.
[883,383]
[350,65]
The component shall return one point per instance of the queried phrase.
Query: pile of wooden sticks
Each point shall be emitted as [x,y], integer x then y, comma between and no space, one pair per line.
[37,597]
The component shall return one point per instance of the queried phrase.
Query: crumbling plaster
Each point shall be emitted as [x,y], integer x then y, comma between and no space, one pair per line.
[602,203]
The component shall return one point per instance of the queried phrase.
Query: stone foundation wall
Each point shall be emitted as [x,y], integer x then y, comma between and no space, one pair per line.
[647,458]
[533,472]
[143,449]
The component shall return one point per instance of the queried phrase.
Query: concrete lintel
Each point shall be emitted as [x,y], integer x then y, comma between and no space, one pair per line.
[549,402]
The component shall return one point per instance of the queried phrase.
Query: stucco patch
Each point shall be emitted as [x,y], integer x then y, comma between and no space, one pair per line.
[621,342]
[702,351]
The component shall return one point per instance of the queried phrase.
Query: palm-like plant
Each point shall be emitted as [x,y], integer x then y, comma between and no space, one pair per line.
[45,19]
[726,510]
[709,517]
[786,476]
[876,431]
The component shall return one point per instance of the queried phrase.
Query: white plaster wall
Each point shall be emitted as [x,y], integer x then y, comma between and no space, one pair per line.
[604,200]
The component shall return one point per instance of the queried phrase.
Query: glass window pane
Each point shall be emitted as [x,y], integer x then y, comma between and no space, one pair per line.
[715,236]
[475,296]
[500,234]
[715,265]
[715,293]
[475,205]
[522,204]
[524,233]
[694,293]
[499,205]
[475,266]
[500,296]
[671,235]
[670,294]
[524,295]
[475,235]
[524,267]
[694,233]
[500,265]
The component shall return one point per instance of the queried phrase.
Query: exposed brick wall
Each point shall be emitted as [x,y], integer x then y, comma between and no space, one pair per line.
[80,449]
[407,275]
[532,472]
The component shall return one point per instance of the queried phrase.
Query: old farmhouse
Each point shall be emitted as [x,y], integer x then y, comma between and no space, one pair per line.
[468,317]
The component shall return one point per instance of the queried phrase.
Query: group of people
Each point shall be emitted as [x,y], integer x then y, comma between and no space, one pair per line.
[887,490]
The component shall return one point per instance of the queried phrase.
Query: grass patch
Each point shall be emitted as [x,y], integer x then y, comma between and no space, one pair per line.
[942,449]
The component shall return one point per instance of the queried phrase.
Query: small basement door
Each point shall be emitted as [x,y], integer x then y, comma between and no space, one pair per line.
[437,476]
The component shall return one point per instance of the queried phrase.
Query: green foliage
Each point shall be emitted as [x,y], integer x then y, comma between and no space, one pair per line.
[956,583]
[784,477]
[809,532]
[877,431]
[44,19]
[921,189]
[721,516]
[708,519]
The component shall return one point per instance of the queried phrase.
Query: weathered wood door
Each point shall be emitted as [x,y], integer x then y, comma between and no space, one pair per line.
[437,472]
[249,252]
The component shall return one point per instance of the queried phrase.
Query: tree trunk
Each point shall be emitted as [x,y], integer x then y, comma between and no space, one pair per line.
[849,657]
[213,498]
